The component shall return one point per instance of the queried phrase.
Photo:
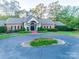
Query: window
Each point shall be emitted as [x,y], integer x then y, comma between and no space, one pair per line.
[21,27]
[18,27]
[11,27]
[47,26]
[44,26]
[50,27]
[15,27]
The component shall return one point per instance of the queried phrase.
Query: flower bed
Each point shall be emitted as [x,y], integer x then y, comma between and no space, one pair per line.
[43,42]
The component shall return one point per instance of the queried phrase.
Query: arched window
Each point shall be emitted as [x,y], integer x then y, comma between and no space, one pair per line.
[33,23]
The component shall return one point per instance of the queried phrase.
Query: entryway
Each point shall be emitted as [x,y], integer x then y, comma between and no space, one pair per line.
[33,26]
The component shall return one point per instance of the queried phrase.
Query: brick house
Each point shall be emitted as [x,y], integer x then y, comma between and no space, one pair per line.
[30,23]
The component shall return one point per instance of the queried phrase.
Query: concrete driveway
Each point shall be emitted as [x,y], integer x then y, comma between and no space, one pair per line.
[11,49]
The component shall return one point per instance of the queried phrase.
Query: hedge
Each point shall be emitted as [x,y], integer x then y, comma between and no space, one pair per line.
[64,28]
[3,29]
[46,29]
[57,28]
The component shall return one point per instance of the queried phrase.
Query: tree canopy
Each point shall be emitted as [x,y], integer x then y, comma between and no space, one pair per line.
[69,15]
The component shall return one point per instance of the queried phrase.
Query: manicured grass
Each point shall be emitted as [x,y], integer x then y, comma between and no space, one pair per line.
[8,35]
[67,32]
[5,35]
[24,32]
[43,42]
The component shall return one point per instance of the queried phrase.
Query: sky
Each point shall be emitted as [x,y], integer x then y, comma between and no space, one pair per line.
[28,4]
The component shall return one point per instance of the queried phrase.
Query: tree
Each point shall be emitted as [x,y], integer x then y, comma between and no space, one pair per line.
[21,13]
[64,14]
[39,10]
[76,23]
[69,16]
[10,7]
[54,8]
[5,6]
[14,6]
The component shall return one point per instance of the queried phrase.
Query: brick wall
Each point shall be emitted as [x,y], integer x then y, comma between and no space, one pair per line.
[13,27]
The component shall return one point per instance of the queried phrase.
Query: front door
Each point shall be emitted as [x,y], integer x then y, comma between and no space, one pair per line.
[33,26]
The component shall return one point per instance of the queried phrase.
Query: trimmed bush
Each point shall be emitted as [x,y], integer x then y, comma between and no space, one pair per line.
[22,31]
[40,29]
[52,30]
[43,42]
[3,29]
[64,28]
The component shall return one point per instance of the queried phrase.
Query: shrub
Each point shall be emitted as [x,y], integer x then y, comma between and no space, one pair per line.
[3,29]
[22,31]
[42,42]
[54,30]
[46,29]
[64,28]
[42,29]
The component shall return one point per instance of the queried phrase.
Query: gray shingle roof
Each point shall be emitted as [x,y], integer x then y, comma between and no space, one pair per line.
[58,23]
[42,21]
[46,21]
[27,18]
[18,20]
[14,20]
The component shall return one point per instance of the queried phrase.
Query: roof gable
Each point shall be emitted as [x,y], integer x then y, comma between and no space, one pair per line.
[33,19]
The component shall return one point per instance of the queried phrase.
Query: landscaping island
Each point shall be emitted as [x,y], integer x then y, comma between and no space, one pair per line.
[42,42]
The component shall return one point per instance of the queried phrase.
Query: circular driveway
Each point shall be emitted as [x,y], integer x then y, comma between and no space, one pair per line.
[10,48]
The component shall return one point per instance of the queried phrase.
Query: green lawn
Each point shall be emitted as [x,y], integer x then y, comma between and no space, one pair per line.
[43,42]
[67,32]
[4,35]
[7,35]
